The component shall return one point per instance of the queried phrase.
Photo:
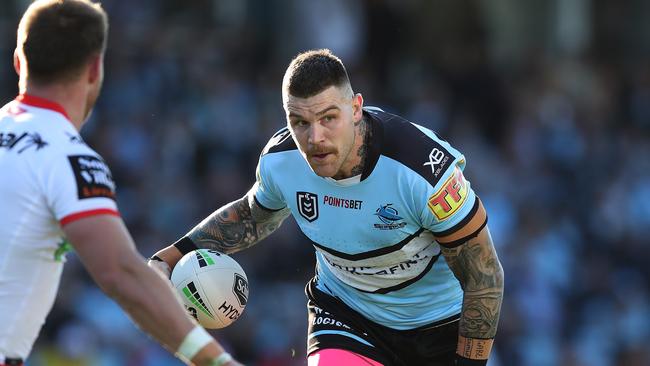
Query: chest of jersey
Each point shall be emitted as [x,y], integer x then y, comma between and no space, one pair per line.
[375,213]
[369,234]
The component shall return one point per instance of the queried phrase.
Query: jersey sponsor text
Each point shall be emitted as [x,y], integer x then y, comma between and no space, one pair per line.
[342,202]
[450,197]
[93,177]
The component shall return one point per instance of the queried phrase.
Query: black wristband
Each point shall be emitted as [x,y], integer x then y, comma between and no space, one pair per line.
[185,245]
[156,258]
[462,361]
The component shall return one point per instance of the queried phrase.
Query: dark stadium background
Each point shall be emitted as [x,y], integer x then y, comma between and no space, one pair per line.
[549,101]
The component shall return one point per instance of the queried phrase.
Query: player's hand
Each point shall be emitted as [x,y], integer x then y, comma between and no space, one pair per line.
[160,265]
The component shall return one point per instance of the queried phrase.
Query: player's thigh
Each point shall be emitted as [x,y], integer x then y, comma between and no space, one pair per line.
[339,357]
[435,346]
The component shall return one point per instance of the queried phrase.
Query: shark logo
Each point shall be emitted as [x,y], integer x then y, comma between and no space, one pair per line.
[389,216]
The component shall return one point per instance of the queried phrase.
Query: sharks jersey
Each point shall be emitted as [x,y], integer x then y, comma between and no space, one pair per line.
[377,238]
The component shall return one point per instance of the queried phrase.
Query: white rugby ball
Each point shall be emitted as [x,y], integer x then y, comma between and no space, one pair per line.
[213,287]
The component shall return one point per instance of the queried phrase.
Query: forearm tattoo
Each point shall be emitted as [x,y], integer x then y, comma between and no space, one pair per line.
[479,272]
[236,226]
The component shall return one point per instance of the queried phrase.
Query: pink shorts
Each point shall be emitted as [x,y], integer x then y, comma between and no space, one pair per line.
[338,357]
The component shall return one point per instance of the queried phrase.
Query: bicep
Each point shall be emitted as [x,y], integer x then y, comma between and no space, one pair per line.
[271,219]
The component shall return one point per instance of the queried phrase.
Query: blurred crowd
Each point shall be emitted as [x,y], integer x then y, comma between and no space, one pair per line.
[549,101]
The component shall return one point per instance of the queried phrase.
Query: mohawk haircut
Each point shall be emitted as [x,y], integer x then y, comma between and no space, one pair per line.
[313,71]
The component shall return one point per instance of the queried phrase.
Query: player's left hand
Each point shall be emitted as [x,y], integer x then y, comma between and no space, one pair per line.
[160,266]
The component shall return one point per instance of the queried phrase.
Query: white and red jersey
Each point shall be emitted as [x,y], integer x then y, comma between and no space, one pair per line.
[48,178]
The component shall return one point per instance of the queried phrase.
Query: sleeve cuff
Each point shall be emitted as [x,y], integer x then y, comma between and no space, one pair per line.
[83,214]
[469,227]
[257,202]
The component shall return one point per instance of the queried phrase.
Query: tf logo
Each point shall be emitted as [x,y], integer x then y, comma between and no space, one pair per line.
[307,205]
[450,197]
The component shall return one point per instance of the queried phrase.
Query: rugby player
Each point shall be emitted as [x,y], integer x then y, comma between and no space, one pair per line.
[407,273]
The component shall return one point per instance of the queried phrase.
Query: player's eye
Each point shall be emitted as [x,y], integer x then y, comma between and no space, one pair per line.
[299,123]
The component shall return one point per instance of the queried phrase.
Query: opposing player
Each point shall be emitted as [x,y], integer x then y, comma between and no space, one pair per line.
[56,190]
[406,270]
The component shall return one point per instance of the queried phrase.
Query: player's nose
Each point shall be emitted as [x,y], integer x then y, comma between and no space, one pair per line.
[315,134]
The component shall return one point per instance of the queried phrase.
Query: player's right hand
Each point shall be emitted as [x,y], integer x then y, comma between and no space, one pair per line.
[161,266]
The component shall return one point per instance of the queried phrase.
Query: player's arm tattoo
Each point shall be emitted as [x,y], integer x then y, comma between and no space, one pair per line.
[236,226]
[477,267]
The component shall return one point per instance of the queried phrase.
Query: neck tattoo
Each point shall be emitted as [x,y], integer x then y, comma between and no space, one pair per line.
[362,152]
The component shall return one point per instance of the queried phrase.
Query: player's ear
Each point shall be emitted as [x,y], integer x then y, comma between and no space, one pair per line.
[95,68]
[16,62]
[357,107]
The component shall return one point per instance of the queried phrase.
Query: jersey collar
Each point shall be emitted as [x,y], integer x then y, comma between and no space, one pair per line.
[374,145]
[345,182]
[39,102]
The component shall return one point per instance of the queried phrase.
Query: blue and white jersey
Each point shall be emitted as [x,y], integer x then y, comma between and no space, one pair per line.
[378,238]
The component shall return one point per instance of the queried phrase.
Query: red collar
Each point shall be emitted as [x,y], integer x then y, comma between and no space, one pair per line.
[42,103]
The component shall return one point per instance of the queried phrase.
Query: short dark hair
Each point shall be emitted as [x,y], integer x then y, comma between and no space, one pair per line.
[57,37]
[313,71]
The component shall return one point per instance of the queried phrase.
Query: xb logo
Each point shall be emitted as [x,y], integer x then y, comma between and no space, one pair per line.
[307,205]
[437,160]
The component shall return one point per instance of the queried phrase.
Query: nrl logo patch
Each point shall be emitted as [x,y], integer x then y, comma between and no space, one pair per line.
[307,205]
